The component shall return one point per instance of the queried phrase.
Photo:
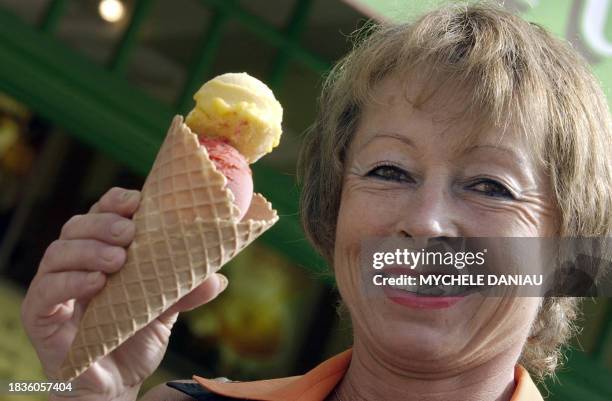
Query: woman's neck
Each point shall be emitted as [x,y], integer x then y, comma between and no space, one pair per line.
[369,380]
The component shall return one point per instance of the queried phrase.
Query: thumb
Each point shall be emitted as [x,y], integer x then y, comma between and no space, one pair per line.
[168,318]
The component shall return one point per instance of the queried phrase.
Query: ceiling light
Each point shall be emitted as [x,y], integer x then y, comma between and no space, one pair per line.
[111,10]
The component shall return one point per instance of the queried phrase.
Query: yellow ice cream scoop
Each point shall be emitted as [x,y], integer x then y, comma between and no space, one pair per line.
[241,109]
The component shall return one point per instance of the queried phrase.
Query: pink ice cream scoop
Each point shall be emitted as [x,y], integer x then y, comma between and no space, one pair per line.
[233,165]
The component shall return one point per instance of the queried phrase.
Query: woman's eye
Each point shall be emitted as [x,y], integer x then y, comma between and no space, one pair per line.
[492,188]
[390,173]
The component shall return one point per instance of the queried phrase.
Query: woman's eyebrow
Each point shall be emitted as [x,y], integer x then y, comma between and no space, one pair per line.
[504,149]
[392,135]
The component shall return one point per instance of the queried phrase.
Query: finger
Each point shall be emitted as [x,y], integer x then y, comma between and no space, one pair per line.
[205,292]
[82,254]
[121,201]
[106,227]
[49,291]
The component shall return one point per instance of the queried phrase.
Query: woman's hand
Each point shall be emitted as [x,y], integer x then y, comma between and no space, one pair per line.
[74,268]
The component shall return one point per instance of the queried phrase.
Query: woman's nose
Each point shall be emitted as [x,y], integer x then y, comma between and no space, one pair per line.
[429,213]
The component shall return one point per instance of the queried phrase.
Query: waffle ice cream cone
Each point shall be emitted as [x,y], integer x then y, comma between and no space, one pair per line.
[186,229]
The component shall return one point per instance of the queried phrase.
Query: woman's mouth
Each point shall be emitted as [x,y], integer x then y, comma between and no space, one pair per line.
[435,290]
[424,296]
[412,300]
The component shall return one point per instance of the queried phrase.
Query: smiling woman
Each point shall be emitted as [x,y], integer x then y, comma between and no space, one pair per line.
[435,183]
[470,122]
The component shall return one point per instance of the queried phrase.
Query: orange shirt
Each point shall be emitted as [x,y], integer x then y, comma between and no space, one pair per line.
[317,384]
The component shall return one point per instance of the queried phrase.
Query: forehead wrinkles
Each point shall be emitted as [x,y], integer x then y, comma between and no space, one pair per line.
[392,111]
[452,105]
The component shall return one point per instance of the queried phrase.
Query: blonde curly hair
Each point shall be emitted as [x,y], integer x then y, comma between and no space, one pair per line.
[512,71]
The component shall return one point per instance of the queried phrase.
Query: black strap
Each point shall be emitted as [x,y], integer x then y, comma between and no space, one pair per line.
[198,392]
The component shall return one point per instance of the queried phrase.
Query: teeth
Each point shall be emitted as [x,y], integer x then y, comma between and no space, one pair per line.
[434,290]
[407,288]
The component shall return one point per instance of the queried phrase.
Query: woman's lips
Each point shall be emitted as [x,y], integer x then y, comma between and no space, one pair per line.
[415,301]
[418,301]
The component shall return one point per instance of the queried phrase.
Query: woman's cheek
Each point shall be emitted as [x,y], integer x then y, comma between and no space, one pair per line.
[367,212]
[495,218]
[347,270]
[508,321]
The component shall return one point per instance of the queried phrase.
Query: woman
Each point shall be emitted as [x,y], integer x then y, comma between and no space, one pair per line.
[468,123]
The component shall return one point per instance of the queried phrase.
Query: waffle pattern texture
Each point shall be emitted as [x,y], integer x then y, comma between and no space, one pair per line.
[186,229]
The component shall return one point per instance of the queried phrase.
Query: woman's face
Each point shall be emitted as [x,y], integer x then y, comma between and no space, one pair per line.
[411,173]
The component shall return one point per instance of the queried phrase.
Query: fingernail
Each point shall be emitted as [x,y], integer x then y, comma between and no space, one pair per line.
[110,254]
[93,278]
[119,227]
[222,282]
[128,196]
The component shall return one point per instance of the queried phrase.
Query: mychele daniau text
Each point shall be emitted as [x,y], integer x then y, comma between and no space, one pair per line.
[462,280]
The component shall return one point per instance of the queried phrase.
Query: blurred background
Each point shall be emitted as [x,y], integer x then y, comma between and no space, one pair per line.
[87,90]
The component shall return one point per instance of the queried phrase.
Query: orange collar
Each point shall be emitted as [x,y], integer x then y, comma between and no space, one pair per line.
[317,384]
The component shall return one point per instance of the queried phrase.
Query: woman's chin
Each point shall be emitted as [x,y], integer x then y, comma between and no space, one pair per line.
[420,343]
[429,340]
